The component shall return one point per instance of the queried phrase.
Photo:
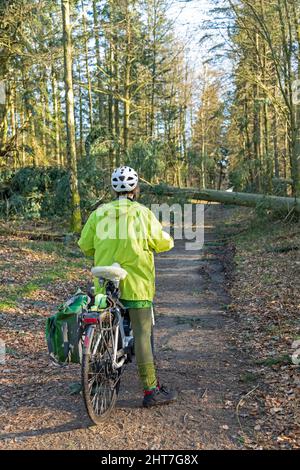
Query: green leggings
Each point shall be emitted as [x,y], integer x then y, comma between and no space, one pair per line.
[141,322]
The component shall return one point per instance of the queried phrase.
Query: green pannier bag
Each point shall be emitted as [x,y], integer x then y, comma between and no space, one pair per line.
[63,330]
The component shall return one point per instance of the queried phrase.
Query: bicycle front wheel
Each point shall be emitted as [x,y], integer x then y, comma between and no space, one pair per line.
[100,380]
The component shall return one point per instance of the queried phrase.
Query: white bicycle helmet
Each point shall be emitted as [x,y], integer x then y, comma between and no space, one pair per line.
[124,179]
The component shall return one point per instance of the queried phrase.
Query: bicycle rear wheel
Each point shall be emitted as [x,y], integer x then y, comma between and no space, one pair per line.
[100,381]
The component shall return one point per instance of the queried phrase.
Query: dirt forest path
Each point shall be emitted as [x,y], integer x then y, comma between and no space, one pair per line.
[194,354]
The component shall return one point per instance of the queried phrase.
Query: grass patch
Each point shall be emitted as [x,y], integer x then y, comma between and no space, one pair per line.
[226,307]
[275,361]
[67,250]
[215,243]
[248,377]
[13,352]
[192,321]
[67,259]
[7,304]
[251,231]
[12,294]
[196,293]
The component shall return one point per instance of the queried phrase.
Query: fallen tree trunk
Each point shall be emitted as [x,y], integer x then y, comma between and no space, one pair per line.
[285,204]
[41,236]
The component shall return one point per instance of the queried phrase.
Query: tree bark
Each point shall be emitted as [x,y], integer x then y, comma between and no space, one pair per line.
[87,68]
[127,80]
[285,204]
[98,59]
[70,119]
[56,117]
[81,138]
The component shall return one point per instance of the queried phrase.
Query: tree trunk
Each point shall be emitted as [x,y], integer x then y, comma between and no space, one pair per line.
[286,204]
[4,108]
[56,117]
[248,140]
[111,104]
[275,143]
[98,59]
[87,68]
[23,135]
[81,139]
[127,80]
[153,79]
[116,105]
[70,120]
[296,17]
[44,118]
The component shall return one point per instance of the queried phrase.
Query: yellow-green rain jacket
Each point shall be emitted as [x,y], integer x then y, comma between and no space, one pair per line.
[127,233]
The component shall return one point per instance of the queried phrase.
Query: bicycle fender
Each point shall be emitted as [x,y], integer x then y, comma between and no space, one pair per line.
[88,338]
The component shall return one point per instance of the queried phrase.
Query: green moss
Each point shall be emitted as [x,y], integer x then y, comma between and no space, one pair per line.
[276,360]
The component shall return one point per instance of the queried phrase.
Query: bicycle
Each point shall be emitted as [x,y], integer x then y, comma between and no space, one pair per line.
[107,346]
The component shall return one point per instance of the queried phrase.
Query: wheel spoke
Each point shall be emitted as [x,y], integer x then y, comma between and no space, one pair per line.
[102,379]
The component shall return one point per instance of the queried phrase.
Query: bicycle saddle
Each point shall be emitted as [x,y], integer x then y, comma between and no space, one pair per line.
[113,273]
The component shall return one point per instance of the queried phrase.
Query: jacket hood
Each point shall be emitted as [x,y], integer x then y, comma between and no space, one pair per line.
[119,208]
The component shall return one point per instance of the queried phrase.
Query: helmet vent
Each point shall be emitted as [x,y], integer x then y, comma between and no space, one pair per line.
[124,179]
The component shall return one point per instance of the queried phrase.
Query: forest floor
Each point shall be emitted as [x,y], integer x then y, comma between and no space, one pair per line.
[215,342]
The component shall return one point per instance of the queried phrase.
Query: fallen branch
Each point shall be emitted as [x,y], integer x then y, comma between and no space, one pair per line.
[41,236]
[241,402]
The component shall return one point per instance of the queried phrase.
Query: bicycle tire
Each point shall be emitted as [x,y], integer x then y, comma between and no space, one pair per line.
[98,414]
